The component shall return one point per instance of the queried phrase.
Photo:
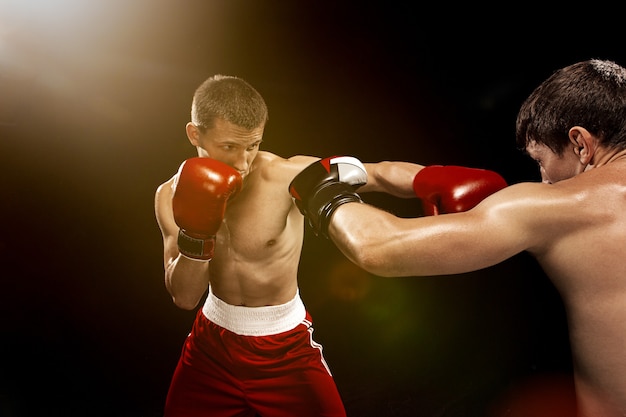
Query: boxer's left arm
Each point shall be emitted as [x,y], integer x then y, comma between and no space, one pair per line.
[452,189]
[391,177]
[441,189]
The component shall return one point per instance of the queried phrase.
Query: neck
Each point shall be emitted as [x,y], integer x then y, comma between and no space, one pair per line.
[605,157]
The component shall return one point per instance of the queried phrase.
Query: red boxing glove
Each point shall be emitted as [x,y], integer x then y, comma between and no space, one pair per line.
[201,190]
[452,189]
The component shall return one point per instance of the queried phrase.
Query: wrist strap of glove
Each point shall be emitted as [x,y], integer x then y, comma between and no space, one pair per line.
[195,248]
[326,201]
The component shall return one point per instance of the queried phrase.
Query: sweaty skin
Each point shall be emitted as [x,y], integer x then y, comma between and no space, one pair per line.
[573,223]
[259,244]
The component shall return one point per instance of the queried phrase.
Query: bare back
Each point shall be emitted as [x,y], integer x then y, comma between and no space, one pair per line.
[258,246]
[586,262]
[575,228]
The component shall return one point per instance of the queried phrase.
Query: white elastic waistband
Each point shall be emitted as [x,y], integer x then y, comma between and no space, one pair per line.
[254,321]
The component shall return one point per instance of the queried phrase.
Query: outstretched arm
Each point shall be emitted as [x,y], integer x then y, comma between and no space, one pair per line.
[501,226]
[394,178]
[441,188]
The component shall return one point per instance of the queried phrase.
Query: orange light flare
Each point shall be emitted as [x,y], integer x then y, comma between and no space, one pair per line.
[348,282]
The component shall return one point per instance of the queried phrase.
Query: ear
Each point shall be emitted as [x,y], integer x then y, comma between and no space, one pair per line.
[584,143]
[193,134]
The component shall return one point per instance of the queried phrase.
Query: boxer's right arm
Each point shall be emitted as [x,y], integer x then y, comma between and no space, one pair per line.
[201,190]
[189,209]
[506,223]
[325,185]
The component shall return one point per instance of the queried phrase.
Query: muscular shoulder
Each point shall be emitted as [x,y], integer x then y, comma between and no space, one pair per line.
[274,168]
[533,201]
[164,191]
[539,215]
[162,202]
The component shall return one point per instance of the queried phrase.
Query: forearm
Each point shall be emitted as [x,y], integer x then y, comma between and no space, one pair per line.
[367,237]
[187,281]
[394,178]
[389,246]
[190,221]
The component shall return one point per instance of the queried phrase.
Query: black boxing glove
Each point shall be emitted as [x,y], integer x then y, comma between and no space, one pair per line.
[325,185]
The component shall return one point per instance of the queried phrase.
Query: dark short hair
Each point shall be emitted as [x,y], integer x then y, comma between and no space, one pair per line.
[590,94]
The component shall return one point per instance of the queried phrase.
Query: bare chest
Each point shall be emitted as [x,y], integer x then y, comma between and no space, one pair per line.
[258,228]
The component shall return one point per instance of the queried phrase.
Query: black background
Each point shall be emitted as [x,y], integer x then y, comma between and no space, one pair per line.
[93,101]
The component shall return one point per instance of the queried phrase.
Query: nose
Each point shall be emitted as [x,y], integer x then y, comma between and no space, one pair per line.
[240,162]
[544,176]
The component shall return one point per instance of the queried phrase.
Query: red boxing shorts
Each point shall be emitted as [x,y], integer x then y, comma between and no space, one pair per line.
[252,361]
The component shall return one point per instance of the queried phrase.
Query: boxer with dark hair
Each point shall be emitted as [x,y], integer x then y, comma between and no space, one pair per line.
[573,222]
